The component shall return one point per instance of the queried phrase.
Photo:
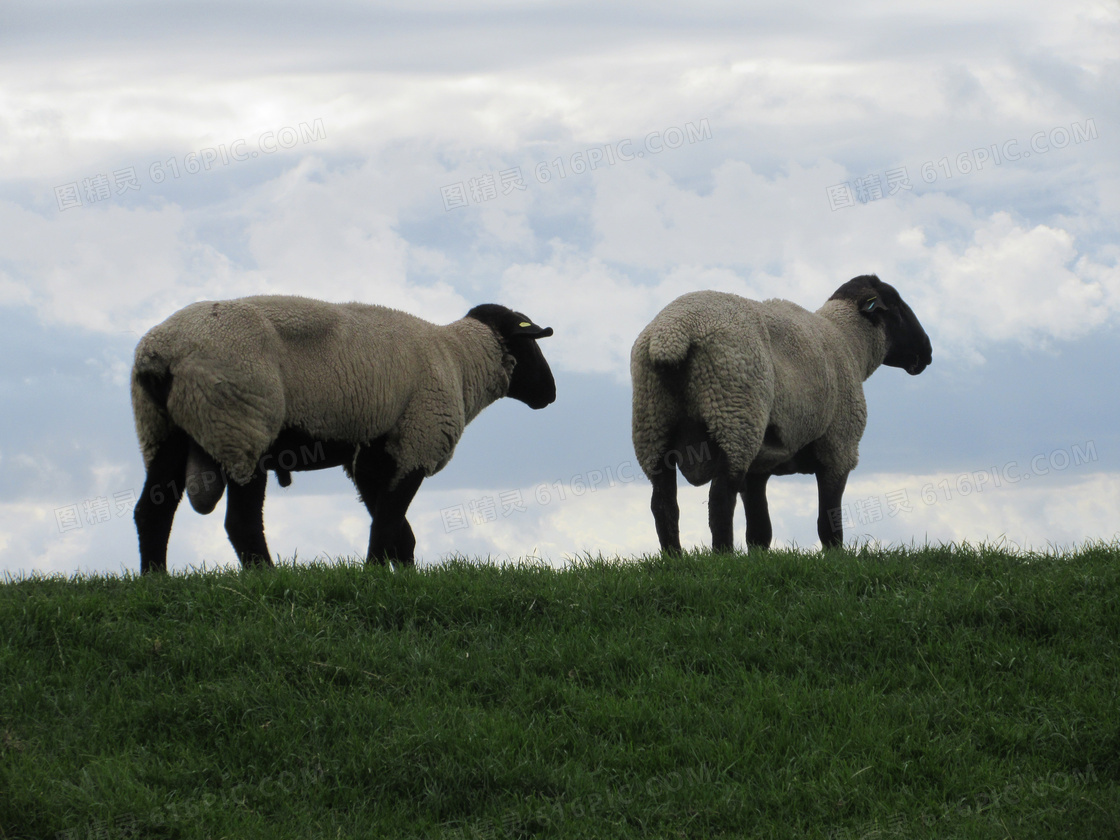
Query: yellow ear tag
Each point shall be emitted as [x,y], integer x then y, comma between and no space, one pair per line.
[524,324]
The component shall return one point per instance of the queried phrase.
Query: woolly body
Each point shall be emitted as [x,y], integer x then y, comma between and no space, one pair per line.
[242,370]
[732,391]
[745,367]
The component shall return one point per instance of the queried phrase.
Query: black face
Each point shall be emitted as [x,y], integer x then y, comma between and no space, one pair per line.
[531,381]
[908,346]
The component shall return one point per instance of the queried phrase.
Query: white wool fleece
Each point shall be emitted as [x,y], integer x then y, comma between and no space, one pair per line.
[242,370]
[740,366]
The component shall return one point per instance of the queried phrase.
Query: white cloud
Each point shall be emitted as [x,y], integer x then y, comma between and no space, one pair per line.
[331,233]
[107,269]
[312,231]
[1012,283]
[747,220]
[1048,510]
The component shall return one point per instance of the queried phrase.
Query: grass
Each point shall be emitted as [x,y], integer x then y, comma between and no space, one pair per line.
[941,692]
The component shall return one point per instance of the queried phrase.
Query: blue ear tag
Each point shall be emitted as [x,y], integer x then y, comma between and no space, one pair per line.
[869,305]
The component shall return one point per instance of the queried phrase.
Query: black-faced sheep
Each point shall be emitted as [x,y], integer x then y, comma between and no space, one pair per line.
[733,391]
[235,388]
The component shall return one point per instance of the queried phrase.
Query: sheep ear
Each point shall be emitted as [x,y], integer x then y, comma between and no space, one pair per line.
[528,328]
[872,304]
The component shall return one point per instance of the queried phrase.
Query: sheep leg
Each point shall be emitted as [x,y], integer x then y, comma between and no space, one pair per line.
[666,512]
[406,542]
[245,520]
[721,512]
[830,492]
[759,530]
[155,511]
[390,535]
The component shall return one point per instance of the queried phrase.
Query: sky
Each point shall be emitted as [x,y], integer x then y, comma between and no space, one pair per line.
[585,165]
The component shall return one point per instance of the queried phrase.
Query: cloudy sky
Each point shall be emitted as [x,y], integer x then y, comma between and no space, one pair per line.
[585,164]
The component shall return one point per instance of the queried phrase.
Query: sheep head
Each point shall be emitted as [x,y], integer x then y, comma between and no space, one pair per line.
[531,379]
[908,346]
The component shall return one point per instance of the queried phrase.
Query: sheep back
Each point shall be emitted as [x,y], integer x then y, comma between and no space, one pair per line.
[242,370]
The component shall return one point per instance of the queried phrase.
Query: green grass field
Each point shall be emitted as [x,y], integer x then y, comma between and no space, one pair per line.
[952,692]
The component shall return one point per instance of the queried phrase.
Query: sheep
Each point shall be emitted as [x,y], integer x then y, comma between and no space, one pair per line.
[732,391]
[224,391]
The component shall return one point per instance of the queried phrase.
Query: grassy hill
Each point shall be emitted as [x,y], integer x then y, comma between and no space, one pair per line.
[937,693]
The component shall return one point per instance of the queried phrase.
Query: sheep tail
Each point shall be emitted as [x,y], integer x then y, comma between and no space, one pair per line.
[153,374]
[670,342]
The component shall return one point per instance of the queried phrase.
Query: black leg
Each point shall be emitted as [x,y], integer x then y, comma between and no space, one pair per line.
[245,520]
[759,530]
[405,547]
[721,511]
[390,535]
[155,511]
[666,512]
[830,494]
